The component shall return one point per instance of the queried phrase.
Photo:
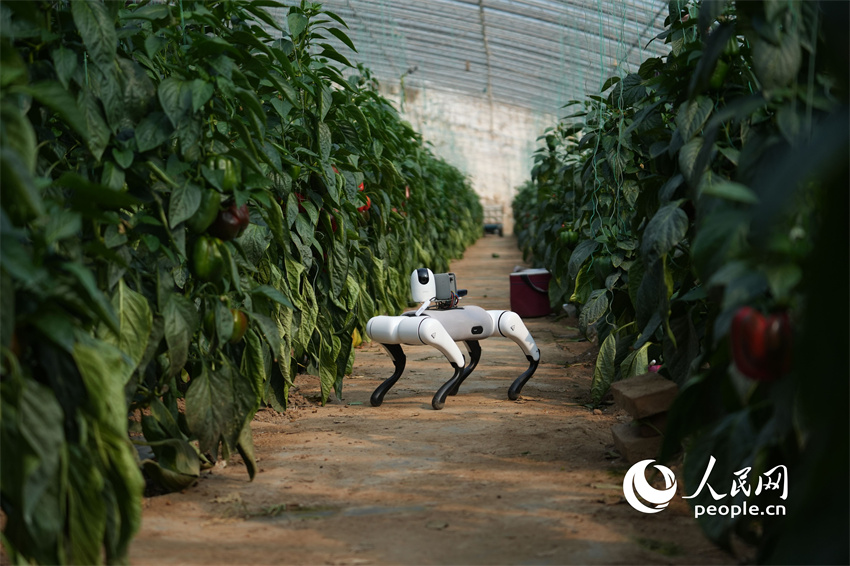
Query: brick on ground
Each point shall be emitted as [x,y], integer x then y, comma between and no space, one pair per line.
[631,445]
[652,426]
[644,395]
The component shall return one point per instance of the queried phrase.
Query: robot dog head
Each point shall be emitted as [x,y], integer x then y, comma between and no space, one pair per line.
[428,286]
[423,286]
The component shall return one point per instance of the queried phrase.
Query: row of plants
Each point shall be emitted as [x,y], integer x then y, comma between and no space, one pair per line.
[197,206]
[687,210]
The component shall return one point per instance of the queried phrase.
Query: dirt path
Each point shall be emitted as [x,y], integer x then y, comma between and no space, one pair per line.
[484,481]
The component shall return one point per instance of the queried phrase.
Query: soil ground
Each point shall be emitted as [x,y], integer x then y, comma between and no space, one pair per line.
[486,480]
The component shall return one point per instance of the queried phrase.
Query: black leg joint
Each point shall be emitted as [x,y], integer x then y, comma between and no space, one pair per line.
[474,356]
[517,385]
[399,360]
[439,399]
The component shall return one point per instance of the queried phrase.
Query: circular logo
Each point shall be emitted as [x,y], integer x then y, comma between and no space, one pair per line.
[635,485]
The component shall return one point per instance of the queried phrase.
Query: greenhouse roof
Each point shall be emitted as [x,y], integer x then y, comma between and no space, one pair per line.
[536,54]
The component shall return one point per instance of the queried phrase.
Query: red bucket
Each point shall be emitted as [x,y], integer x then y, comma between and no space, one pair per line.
[530,292]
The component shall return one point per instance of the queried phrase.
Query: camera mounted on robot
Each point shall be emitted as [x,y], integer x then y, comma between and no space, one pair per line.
[440,288]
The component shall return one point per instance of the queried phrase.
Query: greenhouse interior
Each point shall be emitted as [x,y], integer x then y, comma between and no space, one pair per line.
[251,250]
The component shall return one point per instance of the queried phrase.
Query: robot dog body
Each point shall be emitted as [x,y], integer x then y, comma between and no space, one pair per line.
[441,328]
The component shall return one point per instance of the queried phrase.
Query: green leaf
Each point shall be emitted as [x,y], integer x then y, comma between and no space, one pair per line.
[652,294]
[124,158]
[254,361]
[584,285]
[777,65]
[304,227]
[202,91]
[99,363]
[719,236]
[309,313]
[91,294]
[297,24]
[603,372]
[680,344]
[340,35]
[688,160]
[136,91]
[135,322]
[273,294]
[177,466]
[611,81]
[153,131]
[52,95]
[33,416]
[245,447]
[782,279]
[636,363]
[731,191]
[181,320]
[223,322]
[86,507]
[580,254]
[664,231]
[65,63]
[217,404]
[594,308]
[19,137]
[230,267]
[325,142]
[628,92]
[87,196]
[150,12]
[153,45]
[127,486]
[112,176]
[338,268]
[352,292]
[268,328]
[363,126]
[97,29]
[20,196]
[252,104]
[692,116]
[294,270]
[327,366]
[184,202]
[176,98]
[331,53]
[160,424]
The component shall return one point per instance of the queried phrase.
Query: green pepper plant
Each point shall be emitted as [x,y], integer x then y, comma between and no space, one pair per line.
[183,233]
[699,185]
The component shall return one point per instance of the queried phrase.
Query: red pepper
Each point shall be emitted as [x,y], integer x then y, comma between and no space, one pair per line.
[231,222]
[366,206]
[761,345]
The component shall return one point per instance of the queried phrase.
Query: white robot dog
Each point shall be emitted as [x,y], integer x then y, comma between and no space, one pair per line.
[441,326]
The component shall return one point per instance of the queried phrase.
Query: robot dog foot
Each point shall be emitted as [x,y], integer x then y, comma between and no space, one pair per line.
[399,359]
[516,387]
[439,400]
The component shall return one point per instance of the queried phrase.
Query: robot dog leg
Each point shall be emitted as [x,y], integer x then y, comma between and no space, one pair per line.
[502,323]
[474,351]
[392,331]
[510,325]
